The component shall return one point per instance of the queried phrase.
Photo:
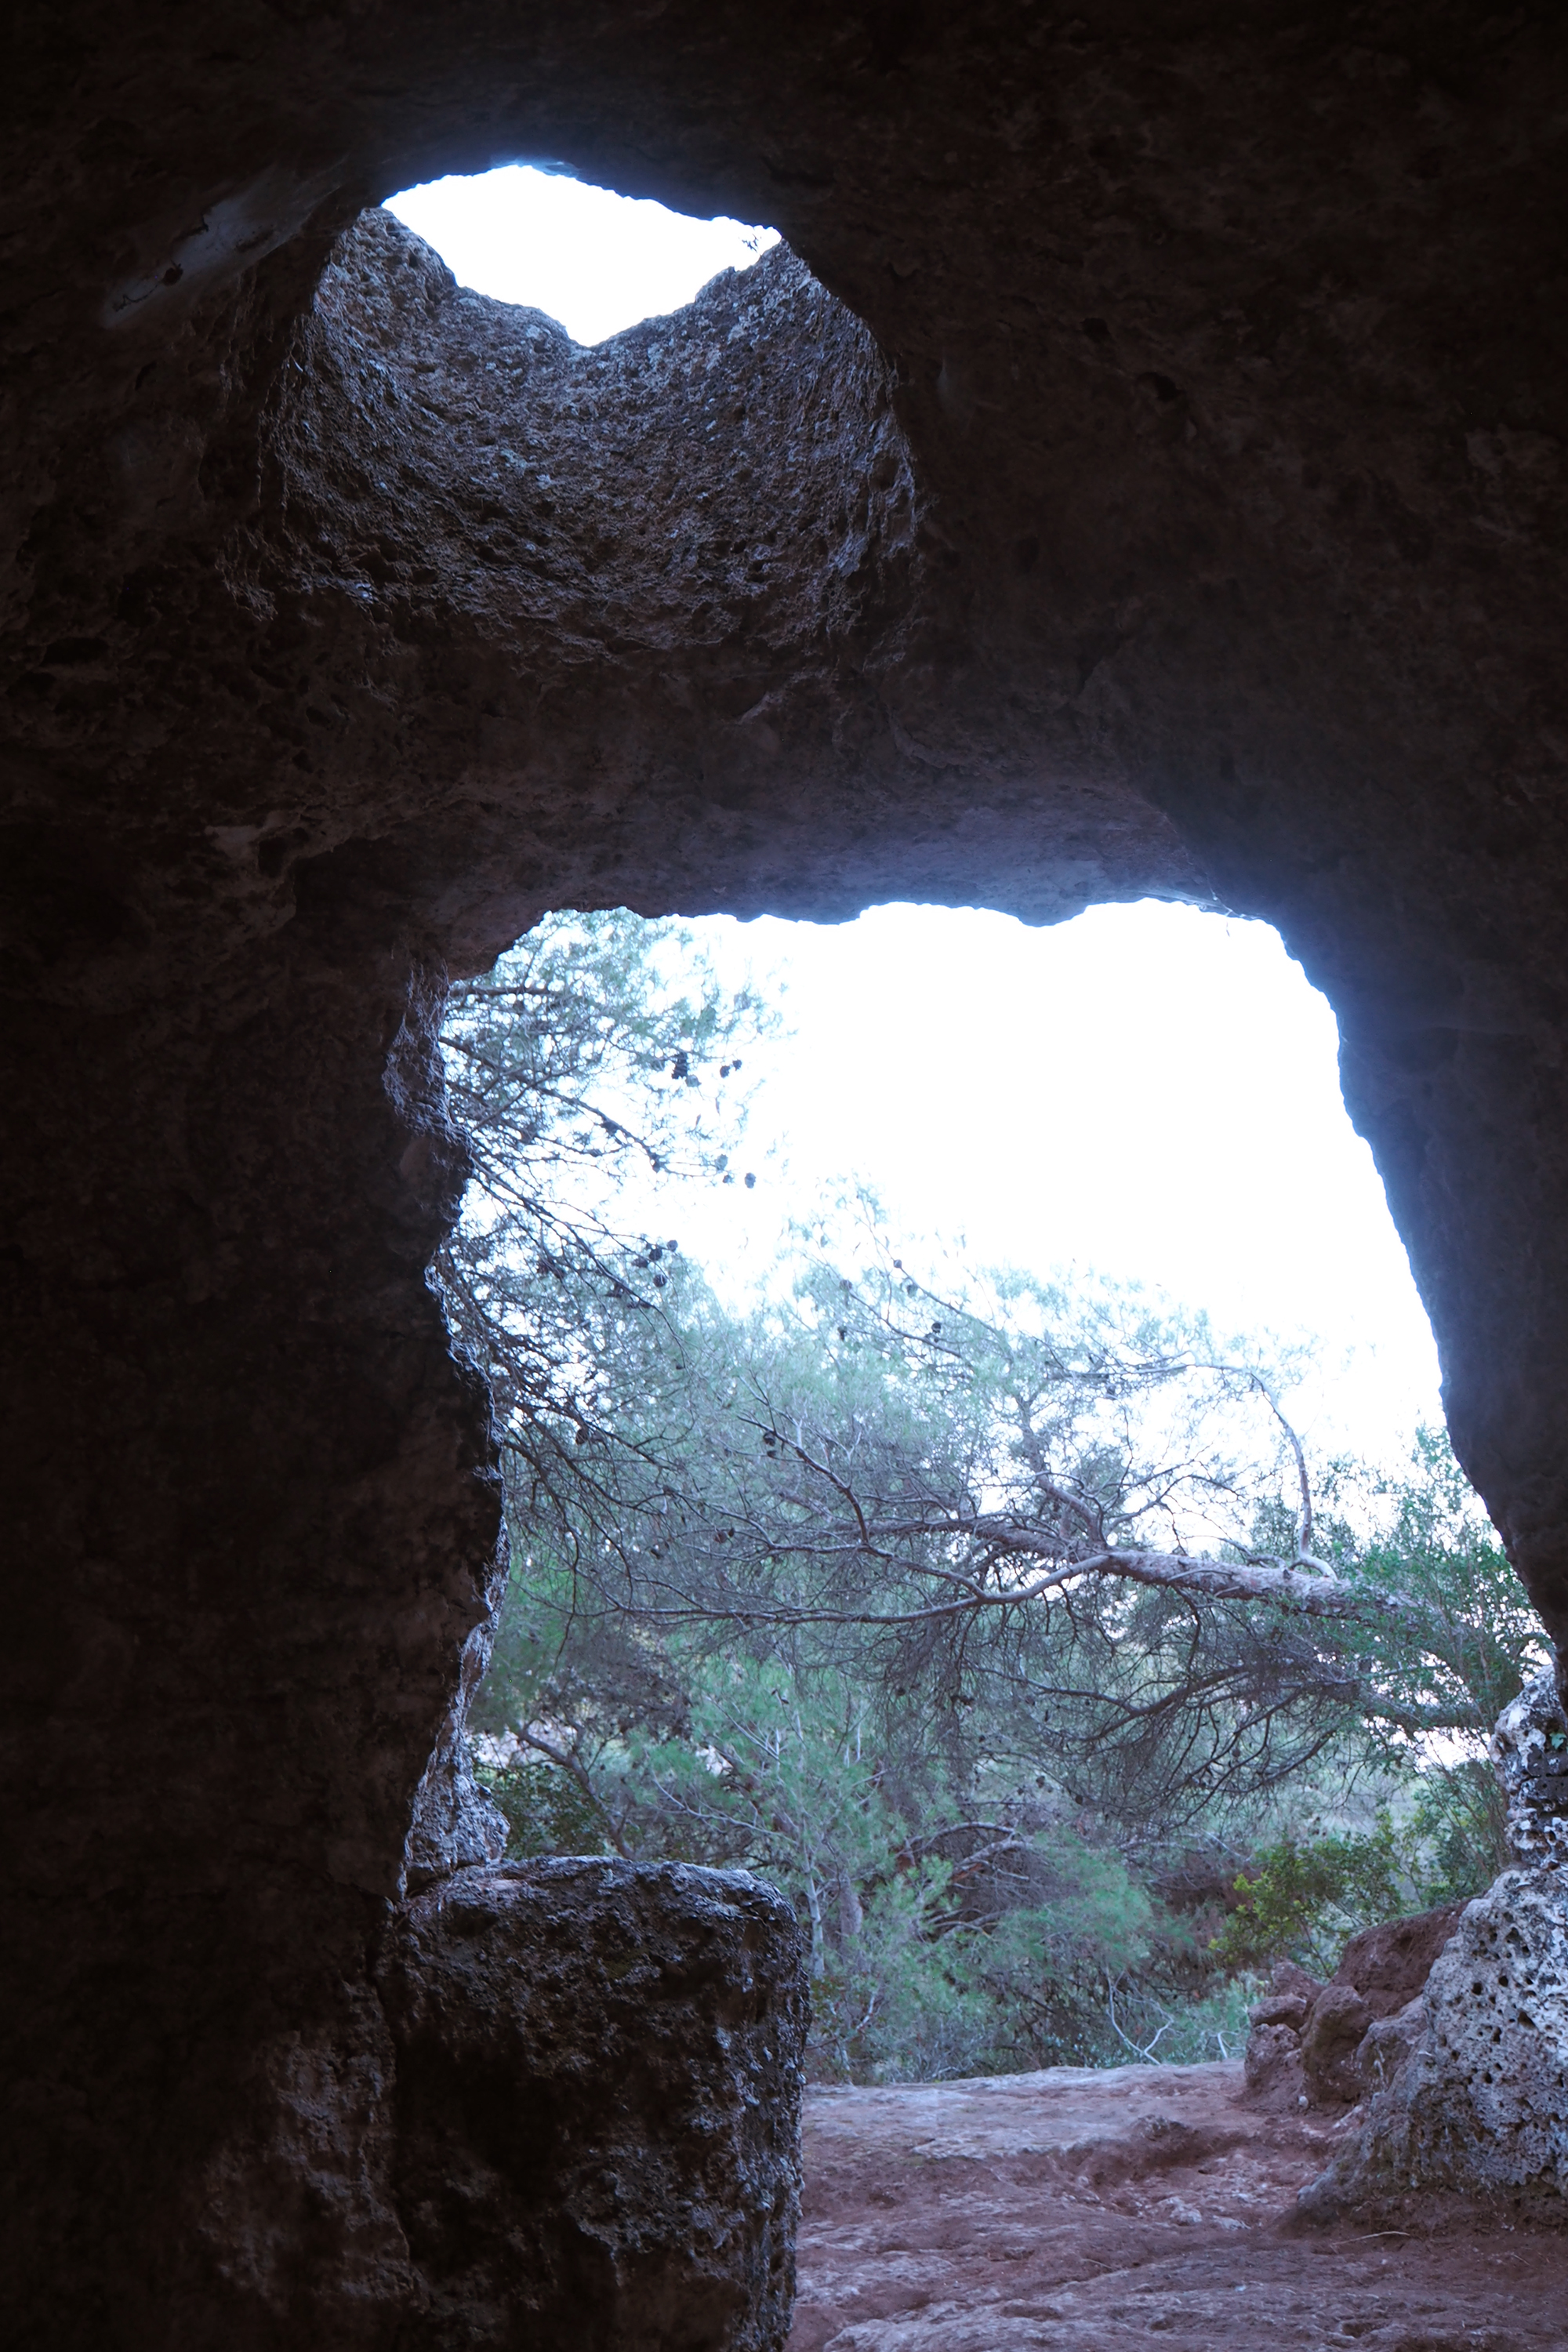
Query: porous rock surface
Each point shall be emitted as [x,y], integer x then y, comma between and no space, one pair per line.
[1530,1755]
[1144,474]
[1481,2104]
[569,2117]
[1467,2083]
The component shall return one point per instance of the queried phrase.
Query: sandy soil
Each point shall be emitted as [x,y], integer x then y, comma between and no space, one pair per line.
[1091,2212]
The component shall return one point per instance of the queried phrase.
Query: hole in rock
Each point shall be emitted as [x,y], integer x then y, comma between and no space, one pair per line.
[829,1426]
[593,261]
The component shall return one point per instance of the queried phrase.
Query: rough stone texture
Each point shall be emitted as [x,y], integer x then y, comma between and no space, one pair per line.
[1271,2067]
[1165,494]
[1529,1751]
[1481,2103]
[1388,1965]
[565,2115]
[1386,2045]
[1330,2041]
[1322,2046]
[598,2080]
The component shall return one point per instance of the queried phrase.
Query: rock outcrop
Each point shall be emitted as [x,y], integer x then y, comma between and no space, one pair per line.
[1480,2104]
[1389,1964]
[597,2106]
[1467,2085]
[1320,2045]
[1271,2068]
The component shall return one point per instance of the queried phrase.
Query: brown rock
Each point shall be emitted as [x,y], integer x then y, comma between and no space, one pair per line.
[1271,2068]
[1291,1992]
[1339,2019]
[1282,2009]
[1316,2045]
[1289,1981]
[1388,1965]
[1272,2065]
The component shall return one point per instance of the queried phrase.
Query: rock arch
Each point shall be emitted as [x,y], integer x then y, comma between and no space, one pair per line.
[1147,478]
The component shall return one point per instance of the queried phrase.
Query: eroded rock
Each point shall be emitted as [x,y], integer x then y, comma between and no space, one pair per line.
[1386,2045]
[1272,2066]
[597,2107]
[1530,1754]
[1388,1965]
[1482,2102]
[1127,515]
[1319,2045]
[1330,2040]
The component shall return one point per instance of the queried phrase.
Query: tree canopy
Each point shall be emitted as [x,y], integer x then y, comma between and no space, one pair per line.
[942,1595]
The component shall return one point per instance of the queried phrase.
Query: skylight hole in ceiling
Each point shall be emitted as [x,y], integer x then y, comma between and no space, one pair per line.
[595,262]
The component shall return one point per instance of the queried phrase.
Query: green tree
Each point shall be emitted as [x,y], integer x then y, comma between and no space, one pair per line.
[947,1605]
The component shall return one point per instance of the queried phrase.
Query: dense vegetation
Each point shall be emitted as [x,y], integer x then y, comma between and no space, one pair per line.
[1003,1624]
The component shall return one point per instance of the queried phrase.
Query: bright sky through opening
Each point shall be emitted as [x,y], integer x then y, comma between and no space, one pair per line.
[1149,1092]
[594,262]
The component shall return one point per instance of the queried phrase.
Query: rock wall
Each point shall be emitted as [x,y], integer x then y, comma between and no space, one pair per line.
[1148,477]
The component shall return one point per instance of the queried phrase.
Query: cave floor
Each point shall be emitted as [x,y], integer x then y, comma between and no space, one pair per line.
[1083,2211]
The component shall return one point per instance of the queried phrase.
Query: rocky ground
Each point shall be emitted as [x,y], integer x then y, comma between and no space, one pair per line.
[1090,2211]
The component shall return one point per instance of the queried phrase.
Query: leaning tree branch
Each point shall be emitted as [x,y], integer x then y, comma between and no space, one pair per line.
[1300,1592]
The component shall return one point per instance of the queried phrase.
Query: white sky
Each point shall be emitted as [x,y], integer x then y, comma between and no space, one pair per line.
[593,261]
[1148,1091]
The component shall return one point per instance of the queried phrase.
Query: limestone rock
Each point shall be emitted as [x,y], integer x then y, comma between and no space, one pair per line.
[1386,2045]
[1529,1751]
[1481,2104]
[455,1823]
[598,2099]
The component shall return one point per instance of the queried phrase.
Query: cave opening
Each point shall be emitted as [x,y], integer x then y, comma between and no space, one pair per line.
[966,1139]
[599,264]
[1172,1062]
[593,261]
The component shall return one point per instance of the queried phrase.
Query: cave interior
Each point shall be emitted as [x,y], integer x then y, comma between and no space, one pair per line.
[1138,471]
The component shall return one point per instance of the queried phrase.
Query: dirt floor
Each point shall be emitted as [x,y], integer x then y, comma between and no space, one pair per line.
[1091,2212]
